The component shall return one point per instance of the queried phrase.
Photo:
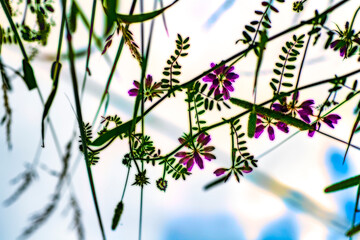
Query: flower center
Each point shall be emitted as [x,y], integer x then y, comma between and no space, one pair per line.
[147,93]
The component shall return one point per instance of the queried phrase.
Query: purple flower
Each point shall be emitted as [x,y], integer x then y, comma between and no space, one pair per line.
[197,151]
[246,169]
[264,121]
[220,171]
[150,90]
[346,40]
[329,120]
[293,108]
[222,79]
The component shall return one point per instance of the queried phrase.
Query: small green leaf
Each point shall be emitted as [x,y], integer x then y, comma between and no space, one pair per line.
[29,76]
[288,75]
[252,123]
[247,36]
[266,25]
[286,84]
[55,73]
[137,18]
[277,72]
[186,46]
[250,28]
[290,67]
[292,59]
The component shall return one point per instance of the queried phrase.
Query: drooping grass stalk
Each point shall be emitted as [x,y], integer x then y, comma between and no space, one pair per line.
[54,75]
[81,127]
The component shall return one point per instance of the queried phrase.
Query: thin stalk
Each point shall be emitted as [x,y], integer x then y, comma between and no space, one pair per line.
[126,182]
[302,62]
[91,30]
[352,21]
[143,119]
[81,127]
[232,146]
[356,209]
[116,60]
[141,203]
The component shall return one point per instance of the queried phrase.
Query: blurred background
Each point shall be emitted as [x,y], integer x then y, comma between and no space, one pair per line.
[282,199]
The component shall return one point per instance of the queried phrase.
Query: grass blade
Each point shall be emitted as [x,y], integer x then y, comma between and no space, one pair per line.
[350,182]
[137,18]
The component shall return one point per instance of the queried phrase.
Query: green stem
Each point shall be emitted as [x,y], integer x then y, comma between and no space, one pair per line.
[126,182]
[197,116]
[232,146]
[142,120]
[352,21]
[189,114]
[91,30]
[355,209]
[13,27]
[301,67]
[81,127]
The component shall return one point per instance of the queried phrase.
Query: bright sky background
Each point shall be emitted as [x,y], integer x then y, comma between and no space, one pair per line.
[276,197]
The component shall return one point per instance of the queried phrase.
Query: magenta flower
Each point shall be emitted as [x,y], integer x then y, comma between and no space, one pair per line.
[329,120]
[197,151]
[304,109]
[346,41]
[236,170]
[222,79]
[220,171]
[266,122]
[150,90]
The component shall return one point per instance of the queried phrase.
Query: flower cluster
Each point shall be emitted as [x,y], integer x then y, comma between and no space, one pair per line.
[346,40]
[329,120]
[150,91]
[162,184]
[292,108]
[298,6]
[197,151]
[222,79]
[141,179]
[266,122]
